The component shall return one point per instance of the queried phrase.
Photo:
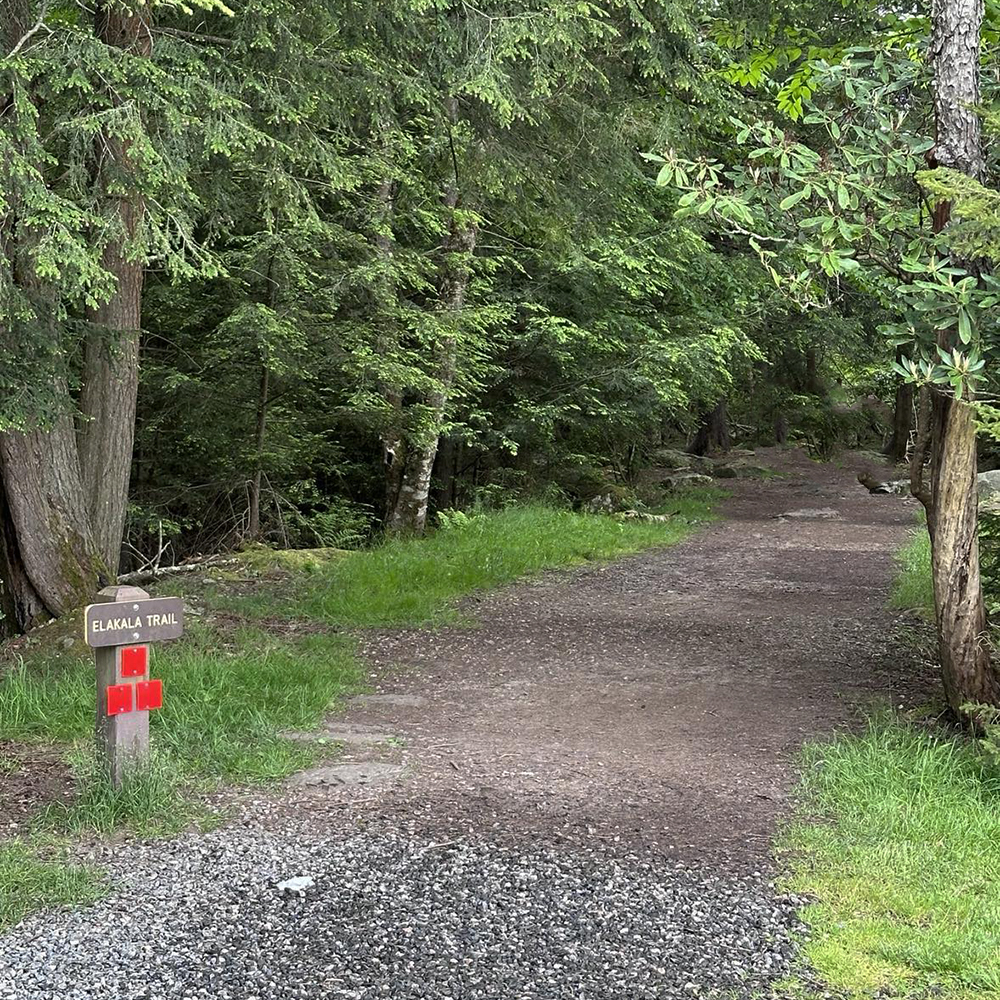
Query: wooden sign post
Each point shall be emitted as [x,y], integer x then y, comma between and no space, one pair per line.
[120,627]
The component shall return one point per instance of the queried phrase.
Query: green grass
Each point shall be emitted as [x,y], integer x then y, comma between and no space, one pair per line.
[226,700]
[904,862]
[415,581]
[913,588]
[37,874]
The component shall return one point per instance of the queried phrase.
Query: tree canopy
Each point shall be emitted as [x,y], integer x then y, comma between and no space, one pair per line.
[301,273]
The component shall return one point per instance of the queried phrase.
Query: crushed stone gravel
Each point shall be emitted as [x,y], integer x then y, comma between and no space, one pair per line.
[390,916]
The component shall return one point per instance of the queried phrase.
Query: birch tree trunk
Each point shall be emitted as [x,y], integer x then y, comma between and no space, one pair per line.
[111,362]
[947,426]
[410,512]
[392,436]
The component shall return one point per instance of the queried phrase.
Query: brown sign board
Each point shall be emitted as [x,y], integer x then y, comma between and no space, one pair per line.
[127,623]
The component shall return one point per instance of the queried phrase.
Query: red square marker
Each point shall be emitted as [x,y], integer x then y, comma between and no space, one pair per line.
[148,695]
[135,659]
[119,699]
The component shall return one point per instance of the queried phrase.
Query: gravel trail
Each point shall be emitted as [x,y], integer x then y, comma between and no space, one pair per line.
[392,917]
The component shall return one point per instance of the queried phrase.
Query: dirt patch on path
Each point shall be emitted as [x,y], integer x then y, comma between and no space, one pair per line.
[655,703]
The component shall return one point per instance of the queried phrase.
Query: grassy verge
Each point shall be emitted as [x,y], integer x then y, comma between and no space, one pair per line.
[35,875]
[904,862]
[416,581]
[269,655]
[913,588]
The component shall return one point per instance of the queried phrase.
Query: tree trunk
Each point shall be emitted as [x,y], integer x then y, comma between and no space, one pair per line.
[781,430]
[947,426]
[111,362]
[410,512]
[902,420]
[253,518]
[48,542]
[21,607]
[445,472]
[814,386]
[392,436]
[713,432]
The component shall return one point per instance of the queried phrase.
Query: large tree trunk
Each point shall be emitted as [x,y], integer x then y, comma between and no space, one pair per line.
[48,543]
[111,363]
[51,557]
[712,435]
[947,424]
[21,607]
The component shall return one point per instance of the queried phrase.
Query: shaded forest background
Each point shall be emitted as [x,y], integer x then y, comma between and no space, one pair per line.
[298,273]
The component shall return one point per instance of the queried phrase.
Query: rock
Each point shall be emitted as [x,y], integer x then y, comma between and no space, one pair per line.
[988,484]
[67,642]
[810,514]
[672,458]
[371,773]
[392,700]
[611,501]
[682,479]
[342,732]
[297,885]
[738,468]
[894,487]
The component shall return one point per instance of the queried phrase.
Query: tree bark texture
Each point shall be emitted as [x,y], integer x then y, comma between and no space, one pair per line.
[51,557]
[948,428]
[410,512]
[21,607]
[111,362]
[712,435]
[48,542]
[392,436]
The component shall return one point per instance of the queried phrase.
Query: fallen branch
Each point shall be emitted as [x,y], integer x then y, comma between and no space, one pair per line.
[154,573]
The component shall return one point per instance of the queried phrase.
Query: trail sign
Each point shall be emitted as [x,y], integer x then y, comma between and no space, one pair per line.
[128,623]
[119,626]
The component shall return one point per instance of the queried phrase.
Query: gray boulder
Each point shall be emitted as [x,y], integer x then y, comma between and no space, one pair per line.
[671,458]
[989,485]
[682,479]
[740,470]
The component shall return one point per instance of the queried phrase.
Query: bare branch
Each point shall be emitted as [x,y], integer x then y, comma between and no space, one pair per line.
[38,26]
[194,36]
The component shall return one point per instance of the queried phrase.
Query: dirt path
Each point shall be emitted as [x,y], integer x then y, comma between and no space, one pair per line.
[656,702]
[574,798]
